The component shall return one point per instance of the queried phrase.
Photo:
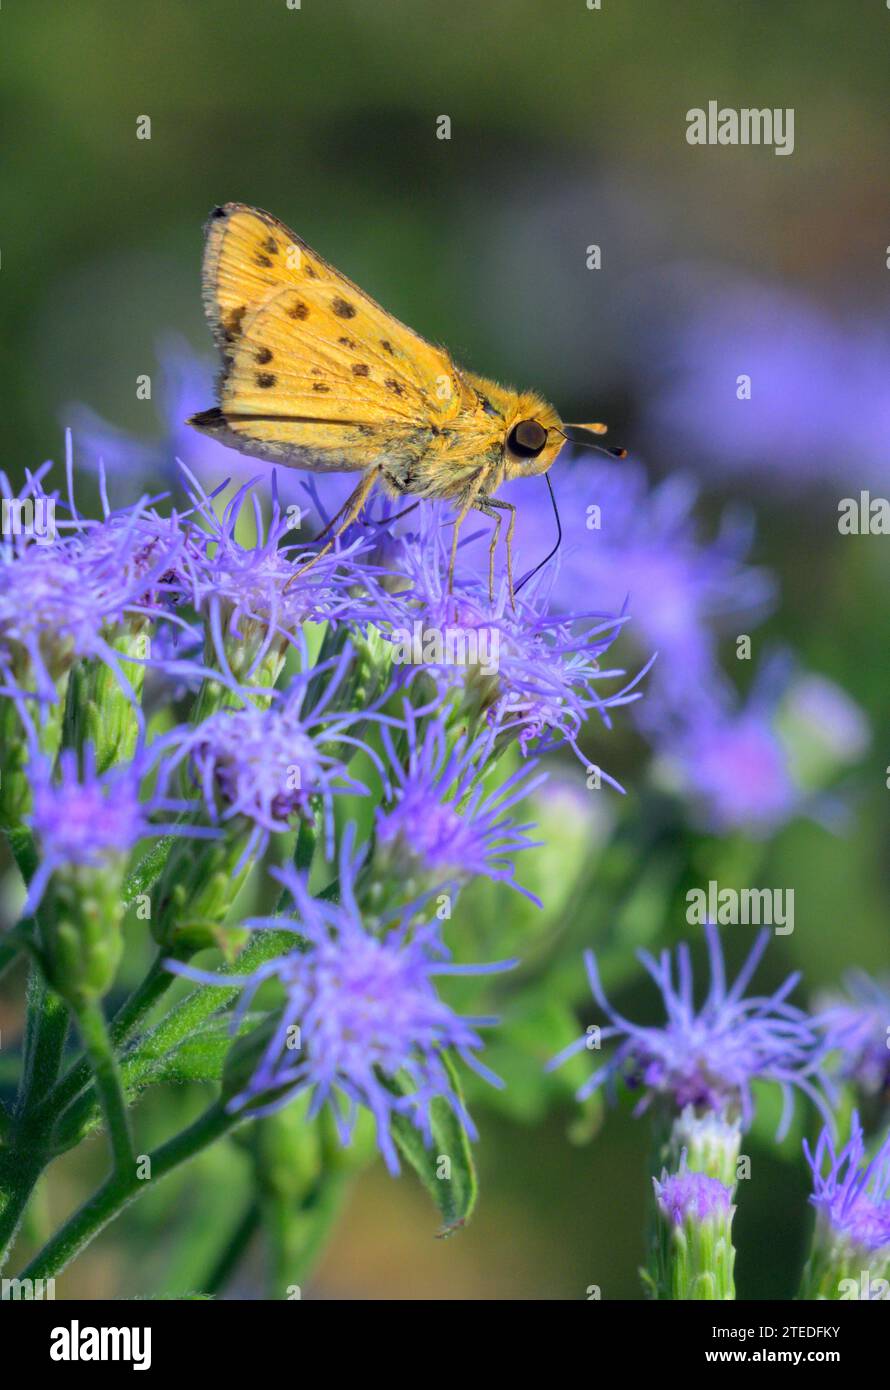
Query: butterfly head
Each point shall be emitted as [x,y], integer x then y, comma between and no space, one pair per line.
[533,437]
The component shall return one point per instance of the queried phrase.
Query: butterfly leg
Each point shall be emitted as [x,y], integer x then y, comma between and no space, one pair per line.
[486,509]
[485,505]
[471,500]
[349,511]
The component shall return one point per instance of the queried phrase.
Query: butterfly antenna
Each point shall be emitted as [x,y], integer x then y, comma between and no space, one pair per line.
[550,556]
[609,450]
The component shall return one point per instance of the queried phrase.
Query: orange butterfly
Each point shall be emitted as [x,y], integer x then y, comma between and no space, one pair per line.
[317,375]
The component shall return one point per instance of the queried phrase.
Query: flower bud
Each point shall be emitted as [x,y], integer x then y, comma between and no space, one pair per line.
[710,1142]
[693,1254]
[197,886]
[80,940]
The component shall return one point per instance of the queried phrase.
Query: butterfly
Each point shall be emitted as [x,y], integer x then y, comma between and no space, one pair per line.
[317,375]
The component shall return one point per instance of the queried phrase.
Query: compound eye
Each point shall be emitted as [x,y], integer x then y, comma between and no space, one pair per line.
[527,439]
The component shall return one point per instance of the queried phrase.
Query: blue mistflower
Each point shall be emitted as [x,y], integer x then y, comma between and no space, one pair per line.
[692,1196]
[753,765]
[266,765]
[533,673]
[857,1028]
[81,818]
[734,770]
[629,542]
[441,822]
[852,1195]
[709,1058]
[819,416]
[73,595]
[365,1011]
[253,596]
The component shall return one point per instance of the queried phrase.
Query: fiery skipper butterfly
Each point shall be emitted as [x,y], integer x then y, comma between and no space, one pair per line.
[317,375]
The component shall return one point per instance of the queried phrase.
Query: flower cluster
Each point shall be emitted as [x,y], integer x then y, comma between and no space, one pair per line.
[301,758]
[709,1057]
[361,1014]
[294,712]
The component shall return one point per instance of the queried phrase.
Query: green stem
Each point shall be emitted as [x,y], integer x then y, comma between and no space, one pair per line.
[72,1110]
[124,1187]
[125,1022]
[18,1177]
[100,1051]
[297,1232]
[24,851]
[235,1249]
[10,951]
[23,1156]
[45,1033]
[46,1029]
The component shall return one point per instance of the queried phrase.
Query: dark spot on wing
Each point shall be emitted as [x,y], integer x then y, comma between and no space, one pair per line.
[321,386]
[347,342]
[299,310]
[264,355]
[360,369]
[232,323]
[271,245]
[395,386]
[310,271]
[266,379]
[261,259]
[343,309]
[387,347]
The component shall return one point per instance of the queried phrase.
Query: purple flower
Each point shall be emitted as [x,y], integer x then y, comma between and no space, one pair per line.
[733,770]
[266,765]
[858,1028]
[440,821]
[640,546]
[533,674]
[83,819]
[852,1195]
[753,766]
[686,1196]
[255,600]
[361,1012]
[817,411]
[74,596]
[709,1057]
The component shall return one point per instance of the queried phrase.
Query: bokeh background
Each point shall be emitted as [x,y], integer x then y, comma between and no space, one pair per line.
[567,129]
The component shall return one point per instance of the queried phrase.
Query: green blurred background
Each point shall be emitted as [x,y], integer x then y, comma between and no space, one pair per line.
[568,128]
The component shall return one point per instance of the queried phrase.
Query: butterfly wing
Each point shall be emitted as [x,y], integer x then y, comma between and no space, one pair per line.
[316,374]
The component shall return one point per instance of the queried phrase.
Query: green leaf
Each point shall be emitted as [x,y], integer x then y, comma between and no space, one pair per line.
[455,1194]
[147,870]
